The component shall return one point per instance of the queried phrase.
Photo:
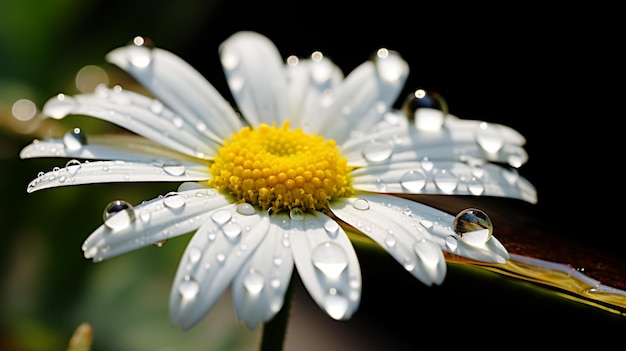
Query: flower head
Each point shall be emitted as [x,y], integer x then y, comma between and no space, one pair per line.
[276,184]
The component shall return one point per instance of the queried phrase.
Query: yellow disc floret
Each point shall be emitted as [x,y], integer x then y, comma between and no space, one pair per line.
[281,169]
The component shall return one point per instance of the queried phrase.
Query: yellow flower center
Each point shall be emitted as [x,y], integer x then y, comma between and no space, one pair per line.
[279,169]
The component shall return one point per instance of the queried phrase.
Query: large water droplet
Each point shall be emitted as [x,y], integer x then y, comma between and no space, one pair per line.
[231,230]
[389,65]
[74,139]
[188,288]
[473,226]
[330,259]
[427,109]
[173,200]
[446,181]
[335,304]
[174,167]
[220,217]
[413,180]
[60,106]
[245,209]
[253,282]
[377,151]
[118,215]
[489,138]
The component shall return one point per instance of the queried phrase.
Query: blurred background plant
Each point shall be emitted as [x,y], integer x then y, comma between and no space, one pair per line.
[499,65]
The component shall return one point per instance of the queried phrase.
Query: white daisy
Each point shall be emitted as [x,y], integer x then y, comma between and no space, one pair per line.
[315,153]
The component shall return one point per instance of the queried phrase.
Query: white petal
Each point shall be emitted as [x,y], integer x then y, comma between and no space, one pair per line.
[137,113]
[327,264]
[182,88]
[456,141]
[131,148]
[212,259]
[153,221]
[256,77]
[444,178]
[309,83]
[76,173]
[398,233]
[259,288]
[365,96]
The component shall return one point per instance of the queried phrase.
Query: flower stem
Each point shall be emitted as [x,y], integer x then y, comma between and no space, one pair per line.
[275,330]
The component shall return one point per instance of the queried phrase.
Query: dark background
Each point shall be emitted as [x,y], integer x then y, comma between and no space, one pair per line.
[548,73]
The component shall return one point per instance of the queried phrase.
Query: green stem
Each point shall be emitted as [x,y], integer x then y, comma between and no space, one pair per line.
[275,330]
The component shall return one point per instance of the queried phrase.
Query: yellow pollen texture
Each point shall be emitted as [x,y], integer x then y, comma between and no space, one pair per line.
[281,169]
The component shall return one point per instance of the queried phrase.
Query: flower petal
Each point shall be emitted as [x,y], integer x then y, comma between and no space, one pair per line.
[137,113]
[444,178]
[213,257]
[327,264]
[256,77]
[152,222]
[76,173]
[398,233]
[180,87]
[401,141]
[365,96]
[259,288]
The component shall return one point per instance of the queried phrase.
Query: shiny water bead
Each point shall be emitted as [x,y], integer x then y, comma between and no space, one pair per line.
[489,137]
[118,215]
[174,167]
[389,65]
[140,54]
[427,109]
[74,139]
[473,226]
[330,259]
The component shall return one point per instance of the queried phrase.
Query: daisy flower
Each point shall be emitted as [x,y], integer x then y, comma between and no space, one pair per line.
[308,155]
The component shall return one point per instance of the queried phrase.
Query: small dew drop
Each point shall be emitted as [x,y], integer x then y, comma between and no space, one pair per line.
[335,304]
[188,288]
[427,109]
[475,186]
[331,227]
[173,200]
[296,214]
[74,139]
[140,52]
[488,137]
[72,167]
[361,204]
[246,209]
[174,167]
[253,282]
[220,217]
[118,215]
[446,181]
[473,226]
[231,230]
[160,243]
[377,151]
[413,180]
[194,254]
[452,242]
[330,259]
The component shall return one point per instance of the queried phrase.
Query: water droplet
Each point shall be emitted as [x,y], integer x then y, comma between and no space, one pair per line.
[231,230]
[59,106]
[119,97]
[475,186]
[488,137]
[413,180]
[389,65]
[426,164]
[253,282]
[473,226]
[330,259]
[390,240]
[446,181]
[335,304]
[428,252]
[296,214]
[118,214]
[246,209]
[140,52]
[220,217]
[174,167]
[72,167]
[452,242]
[427,109]
[381,185]
[377,151]
[145,216]
[194,254]
[188,288]
[160,243]
[74,139]
[361,204]
[173,200]
[331,227]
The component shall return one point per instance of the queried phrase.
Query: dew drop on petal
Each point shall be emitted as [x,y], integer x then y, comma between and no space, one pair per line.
[361,204]
[118,215]
[296,214]
[473,226]
[331,227]
[413,180]
[446,181]
[220,217]
[246,209]
[389,65]
[173,200]
[72,167]
[377,151]
[188,288]
[160,243]
[253,282]
[427,252]
[488,137]
[74,139]
[231,230]
[381,185]
[475,186]
[335,304]
[140,53]
[330,259]
[194,254]
[452,242]
[174,167]
[60,106]
[427,109]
